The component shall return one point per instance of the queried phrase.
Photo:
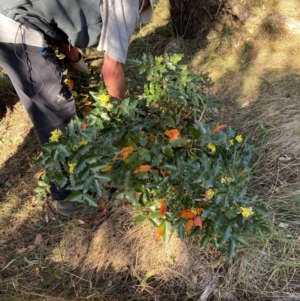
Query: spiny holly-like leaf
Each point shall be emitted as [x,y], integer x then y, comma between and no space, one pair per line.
[198,221]
[139,218]
[143,168]
[187,214]
[160,230]
[204,241]
[219,128]
[231,248]
[167,231]
[163,209]
[189,225]
[226,233]
[172,134]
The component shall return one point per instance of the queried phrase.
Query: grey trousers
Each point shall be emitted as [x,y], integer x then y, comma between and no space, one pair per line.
[37,78]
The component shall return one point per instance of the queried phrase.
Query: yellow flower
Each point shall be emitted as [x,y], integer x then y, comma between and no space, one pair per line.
[104,99]
[159,58]
[226,180]
[71,167]
[239,138]
[210,193]
[83,142]
[107,168]
[73,148]
[211,147]
[246,211]
[231,141]
[55,135]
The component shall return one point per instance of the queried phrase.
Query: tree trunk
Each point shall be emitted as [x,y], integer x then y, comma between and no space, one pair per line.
[190,17]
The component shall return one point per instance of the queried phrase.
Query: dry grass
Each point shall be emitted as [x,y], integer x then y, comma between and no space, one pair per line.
[257,78]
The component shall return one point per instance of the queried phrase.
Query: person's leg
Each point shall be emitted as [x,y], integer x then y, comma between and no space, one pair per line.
[36,77]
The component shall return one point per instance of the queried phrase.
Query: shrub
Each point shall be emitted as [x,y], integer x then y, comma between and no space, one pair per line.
[164,152]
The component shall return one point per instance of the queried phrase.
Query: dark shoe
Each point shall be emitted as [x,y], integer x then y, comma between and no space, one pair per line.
[67,209]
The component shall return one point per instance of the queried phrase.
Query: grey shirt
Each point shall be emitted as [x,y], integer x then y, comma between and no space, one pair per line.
[108,24]
[120,18]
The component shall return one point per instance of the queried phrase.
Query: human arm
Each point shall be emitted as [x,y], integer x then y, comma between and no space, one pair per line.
[71,53]
[114,77]
[73,57]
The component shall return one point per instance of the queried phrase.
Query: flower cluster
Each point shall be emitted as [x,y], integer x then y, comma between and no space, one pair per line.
[246,211]
[55,135]
[211,147]
[104,99]
[71,167]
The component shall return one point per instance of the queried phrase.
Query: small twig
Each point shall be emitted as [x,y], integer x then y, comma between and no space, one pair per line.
[208,289]
[204,109]
[208,13]
[187,23]
[220,4]
[6,117]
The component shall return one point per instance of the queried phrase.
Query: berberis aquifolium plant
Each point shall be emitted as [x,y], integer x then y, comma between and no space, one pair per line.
[161,150]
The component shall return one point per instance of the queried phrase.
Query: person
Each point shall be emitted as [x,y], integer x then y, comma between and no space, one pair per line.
[28,28]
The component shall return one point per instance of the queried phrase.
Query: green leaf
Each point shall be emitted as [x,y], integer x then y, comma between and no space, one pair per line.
[169,167]
[79,166]
[231,213]
[139,218]
[62,150]
[231,248]
[70,128]
[76,187]
[75,197]
[239,238]
[206,163]
[218,220]
[175,58]
[170,121]
[168,152]
[181,232]
[195,231]
[89,200]
[97,187]
[156,161]
[87,184]
[204,241]
[93,158]
[217,168]
[200,126]
[131,158]
[84,149]
[83,174]
[179,142]
[264,229]
[96,167]
[261,210]
[195,133]
[219,197]
[102,178]
[155,218]
[131,198]
[167,231]
[226,233]
[143,141]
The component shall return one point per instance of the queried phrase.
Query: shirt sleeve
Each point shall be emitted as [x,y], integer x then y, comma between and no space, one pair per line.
[119,19]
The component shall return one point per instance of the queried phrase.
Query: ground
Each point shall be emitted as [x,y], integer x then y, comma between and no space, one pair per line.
[255,72]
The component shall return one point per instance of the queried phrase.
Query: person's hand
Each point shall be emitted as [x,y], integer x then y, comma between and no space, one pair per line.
[80,66]
[74,59]
[114,80]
